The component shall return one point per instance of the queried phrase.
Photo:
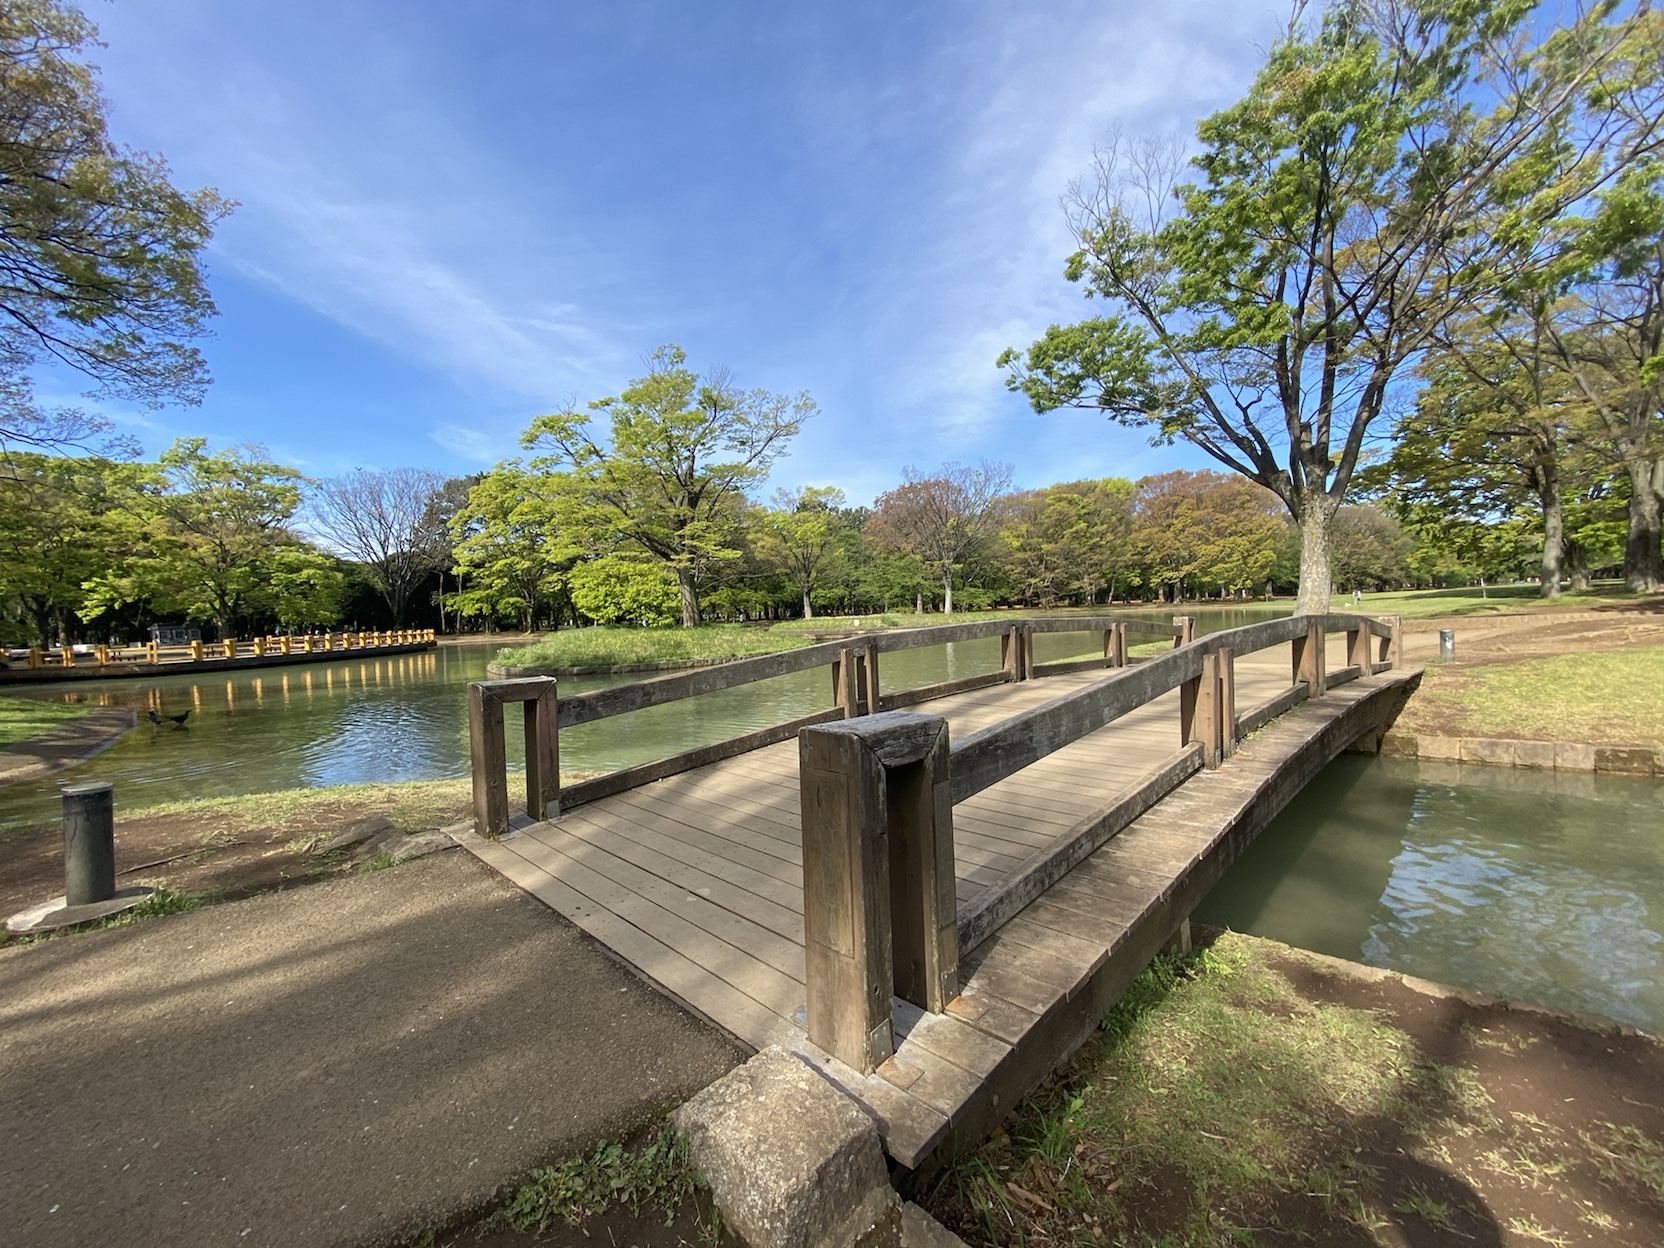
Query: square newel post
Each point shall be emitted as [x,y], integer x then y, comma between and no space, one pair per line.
[846,684]
[487,749]
[1309,660]
[880,906]
[1225,664]
[1392,648]
[1200,705]
[1017,652]
[870,697]
[1186,624]
[1357,650]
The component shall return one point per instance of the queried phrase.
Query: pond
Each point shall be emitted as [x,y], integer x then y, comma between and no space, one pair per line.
[404,717]
[1545,887]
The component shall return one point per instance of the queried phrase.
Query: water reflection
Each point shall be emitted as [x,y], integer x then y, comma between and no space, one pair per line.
[1535,886]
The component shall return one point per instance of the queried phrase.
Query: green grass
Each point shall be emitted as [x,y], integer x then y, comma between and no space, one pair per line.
[416,806]
[1217,1087]
[1470,600]
[23,718]
[655,1174]
[1607,697]
[605,647]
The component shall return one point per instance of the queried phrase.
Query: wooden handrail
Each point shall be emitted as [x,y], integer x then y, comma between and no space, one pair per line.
[585,708]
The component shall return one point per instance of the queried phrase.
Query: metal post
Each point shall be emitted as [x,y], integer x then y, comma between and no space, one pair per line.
[89,844]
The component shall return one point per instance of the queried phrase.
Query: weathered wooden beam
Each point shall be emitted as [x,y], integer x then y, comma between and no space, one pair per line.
[1256,717]
[1069,666]
[981,918]
[1342,675]
[1184,630]
[542,725]
[489,760]
[947,688]
[879,906]
[1309,654]
[621,781]
[1226,660]
[989,756]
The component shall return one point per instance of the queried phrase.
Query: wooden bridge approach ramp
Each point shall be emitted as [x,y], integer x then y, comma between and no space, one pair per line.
[934,907]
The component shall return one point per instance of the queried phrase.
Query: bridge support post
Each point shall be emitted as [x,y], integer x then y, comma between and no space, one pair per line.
[1357,650]
[487,749]
[1308,661]
[1201,707]
[1017,652]
[880,906]
[1186,624]
[855,680]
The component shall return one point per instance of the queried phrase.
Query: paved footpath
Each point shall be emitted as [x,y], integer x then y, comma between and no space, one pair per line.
[344,1064]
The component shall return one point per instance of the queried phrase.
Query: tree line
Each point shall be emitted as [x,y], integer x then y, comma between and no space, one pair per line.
[1408,292]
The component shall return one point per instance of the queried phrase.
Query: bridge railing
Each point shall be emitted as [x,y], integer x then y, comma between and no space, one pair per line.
[854,667]
[880,908]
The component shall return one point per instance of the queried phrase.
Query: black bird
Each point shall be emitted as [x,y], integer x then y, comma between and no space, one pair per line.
[178,720]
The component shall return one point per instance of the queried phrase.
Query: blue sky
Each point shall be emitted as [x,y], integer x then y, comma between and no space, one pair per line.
[455,216]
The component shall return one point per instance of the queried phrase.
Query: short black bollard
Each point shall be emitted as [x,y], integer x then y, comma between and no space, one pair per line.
[89,844]
[1447,645]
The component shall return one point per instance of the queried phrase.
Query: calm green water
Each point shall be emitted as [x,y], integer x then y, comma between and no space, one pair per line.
[1541,887]
[404,717]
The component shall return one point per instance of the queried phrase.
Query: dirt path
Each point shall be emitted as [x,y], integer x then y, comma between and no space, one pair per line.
[64,745]
[345,1065]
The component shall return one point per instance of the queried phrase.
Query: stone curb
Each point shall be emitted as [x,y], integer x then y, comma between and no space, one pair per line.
[1627,760]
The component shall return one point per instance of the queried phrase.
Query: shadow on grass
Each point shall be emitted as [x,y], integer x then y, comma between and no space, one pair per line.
[1217,1104]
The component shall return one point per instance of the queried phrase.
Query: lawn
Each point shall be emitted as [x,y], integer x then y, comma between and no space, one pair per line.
[1470,600]
[606,647]
[1607,697]
[22,718]
[1249,1095]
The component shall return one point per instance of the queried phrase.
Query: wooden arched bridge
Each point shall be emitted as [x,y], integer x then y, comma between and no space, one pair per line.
[934,907]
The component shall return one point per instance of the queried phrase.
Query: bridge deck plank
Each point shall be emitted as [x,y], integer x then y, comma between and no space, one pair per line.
[697,881]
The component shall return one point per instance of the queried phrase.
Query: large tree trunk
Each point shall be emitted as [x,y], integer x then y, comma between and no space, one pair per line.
[1643,560]
[808,607]
[1577,566]
[1554,532]
[947,592]
[690,597]
[1316,575]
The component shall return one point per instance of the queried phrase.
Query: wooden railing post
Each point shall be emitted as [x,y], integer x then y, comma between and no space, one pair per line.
[488,754]
[871,699]
[1186,624]
[1199,711]
[845,685]
[1226,662]
[1309,660]
[1357,650]
[1012,650]
[196,651]
[1396,655]
[880,911]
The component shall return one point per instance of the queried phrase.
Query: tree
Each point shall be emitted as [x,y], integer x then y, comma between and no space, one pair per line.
[682,450]
[1371,550]
[1070,540]
[803,534]
[390,522]
[1388,169]
[618,589]
[1609,336]
[509,554]
[100,257]
[1204,529]
[219,543]
[943,519]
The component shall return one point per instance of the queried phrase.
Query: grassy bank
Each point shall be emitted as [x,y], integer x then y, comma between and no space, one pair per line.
[22,718]
[604,647]
[415,805]
[1606,697]
[1250,1096]
[1470,600]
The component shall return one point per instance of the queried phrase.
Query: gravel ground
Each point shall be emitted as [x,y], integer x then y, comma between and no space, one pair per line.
[346,1064]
